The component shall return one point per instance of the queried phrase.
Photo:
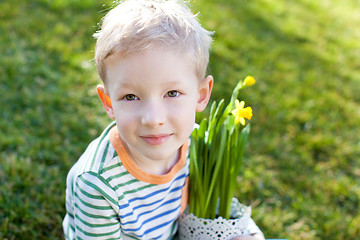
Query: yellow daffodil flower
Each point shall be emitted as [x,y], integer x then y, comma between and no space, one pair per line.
[249,81]
[241,113]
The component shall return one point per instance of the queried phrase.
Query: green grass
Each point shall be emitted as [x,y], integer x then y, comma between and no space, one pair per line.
[302,174]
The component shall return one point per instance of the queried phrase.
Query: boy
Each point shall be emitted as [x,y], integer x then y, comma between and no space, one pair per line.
[131,182]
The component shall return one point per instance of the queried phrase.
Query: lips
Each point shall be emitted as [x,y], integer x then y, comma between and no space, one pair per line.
[156,139]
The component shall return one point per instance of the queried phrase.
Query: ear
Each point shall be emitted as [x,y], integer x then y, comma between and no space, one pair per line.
[205,89]
[105,99]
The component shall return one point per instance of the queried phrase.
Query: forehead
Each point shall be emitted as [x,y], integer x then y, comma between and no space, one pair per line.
[160,61]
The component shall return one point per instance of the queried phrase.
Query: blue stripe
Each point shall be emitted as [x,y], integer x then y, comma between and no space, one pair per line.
[140,206]
[167,223]
[143,213]
[154,193]
[152,219]
[177,189]
[160,226]
[147,205]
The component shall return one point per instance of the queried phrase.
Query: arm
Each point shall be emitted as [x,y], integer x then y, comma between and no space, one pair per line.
[95,209]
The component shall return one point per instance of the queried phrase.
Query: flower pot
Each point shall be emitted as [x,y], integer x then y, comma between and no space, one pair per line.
[194,228]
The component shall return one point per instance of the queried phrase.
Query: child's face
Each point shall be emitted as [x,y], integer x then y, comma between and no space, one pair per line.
[154,97]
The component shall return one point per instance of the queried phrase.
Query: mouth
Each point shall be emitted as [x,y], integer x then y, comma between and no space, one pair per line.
[156,139]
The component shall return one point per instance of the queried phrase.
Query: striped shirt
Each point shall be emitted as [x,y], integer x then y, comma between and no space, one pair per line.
[109,197]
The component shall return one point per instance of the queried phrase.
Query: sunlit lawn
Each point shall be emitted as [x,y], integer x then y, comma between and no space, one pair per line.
[302,175]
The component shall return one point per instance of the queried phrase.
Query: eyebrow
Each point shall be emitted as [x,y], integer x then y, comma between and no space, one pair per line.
[126,85]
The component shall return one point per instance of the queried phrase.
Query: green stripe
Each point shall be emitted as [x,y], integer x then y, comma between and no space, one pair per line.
[104,155]
[119,164]
[130,236]
[89,194]
[96,225]
[93,206]
[104,134]
[126,183]
[172,231]
[95,216]
[70,215]
[122,196]
[139,189]
[96,234]
[70,226]
[117,176]
[101,191]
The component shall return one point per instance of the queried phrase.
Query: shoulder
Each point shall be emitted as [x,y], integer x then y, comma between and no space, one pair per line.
[98,152]
[95,188]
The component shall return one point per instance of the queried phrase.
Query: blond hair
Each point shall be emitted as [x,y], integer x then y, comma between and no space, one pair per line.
[137,25]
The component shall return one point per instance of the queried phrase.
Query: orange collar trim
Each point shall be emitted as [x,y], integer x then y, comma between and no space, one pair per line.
[136,171]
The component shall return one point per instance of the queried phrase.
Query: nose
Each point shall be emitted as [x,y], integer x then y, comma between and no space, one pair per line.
[153,114]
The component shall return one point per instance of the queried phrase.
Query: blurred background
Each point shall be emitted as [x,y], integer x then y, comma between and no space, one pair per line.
[302,170]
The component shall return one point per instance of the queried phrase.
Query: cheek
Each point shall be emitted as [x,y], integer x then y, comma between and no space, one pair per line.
[125,120]
[186,109]
[184,117]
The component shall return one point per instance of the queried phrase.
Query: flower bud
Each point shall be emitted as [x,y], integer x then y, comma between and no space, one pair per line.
[249,81]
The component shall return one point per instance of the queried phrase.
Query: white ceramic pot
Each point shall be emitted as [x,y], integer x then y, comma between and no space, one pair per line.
[194,228]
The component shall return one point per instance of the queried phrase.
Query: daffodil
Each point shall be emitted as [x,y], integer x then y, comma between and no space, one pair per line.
[249,81]
[241,113]
[216,153]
